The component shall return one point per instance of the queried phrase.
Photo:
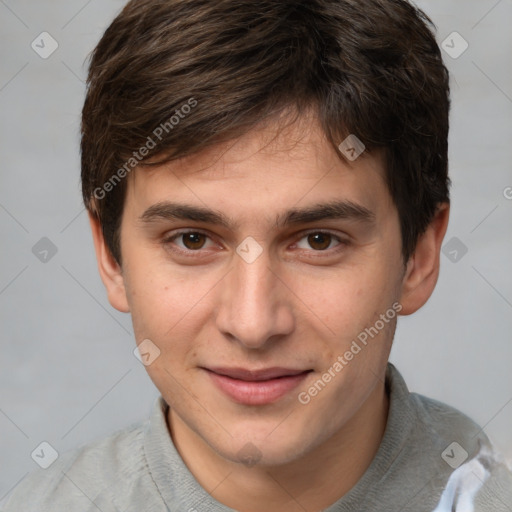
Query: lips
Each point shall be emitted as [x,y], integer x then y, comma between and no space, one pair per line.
[256,375]
[256,387]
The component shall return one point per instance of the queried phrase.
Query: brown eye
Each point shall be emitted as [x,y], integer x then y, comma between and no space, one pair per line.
[193,240]
[192,244]
[319,241]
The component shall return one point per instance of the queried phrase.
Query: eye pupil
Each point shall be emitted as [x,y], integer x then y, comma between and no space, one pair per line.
[193,240]
[319,241]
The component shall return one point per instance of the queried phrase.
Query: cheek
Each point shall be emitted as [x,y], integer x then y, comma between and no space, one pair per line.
[169,309]
[345,299]
[345,307]
[155,294]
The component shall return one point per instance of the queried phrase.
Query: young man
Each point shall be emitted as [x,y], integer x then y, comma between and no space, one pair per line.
[267,189]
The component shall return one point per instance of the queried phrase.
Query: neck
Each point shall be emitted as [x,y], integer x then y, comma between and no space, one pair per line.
[313,482]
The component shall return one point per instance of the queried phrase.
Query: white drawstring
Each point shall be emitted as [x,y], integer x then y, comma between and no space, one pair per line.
[465,482]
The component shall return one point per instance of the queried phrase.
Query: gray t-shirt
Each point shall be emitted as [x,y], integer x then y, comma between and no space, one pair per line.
[420,466]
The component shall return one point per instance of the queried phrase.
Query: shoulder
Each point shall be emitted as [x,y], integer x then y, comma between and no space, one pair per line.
[468,470]
[496,492]
[83,476]
[432,422]
[482,484]
[443,420]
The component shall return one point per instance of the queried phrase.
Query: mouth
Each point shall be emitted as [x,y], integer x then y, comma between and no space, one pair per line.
[256,387]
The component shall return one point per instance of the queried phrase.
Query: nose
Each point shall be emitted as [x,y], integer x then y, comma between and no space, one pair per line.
[255,305]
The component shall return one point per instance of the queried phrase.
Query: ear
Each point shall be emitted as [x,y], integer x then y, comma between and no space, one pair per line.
[422,270]
[110,271]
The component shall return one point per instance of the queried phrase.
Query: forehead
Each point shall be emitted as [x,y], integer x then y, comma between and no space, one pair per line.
[274,165]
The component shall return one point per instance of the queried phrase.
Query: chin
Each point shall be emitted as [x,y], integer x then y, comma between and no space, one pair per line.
[264,450]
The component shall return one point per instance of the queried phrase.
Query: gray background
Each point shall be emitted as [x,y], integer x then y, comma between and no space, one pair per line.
[67,371]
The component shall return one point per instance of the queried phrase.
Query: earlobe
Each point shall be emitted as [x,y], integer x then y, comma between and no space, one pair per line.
[110,271]
[422,270]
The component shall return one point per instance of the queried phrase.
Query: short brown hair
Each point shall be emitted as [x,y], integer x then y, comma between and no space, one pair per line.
[368,67]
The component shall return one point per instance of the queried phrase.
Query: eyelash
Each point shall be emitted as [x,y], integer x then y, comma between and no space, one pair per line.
[342,243]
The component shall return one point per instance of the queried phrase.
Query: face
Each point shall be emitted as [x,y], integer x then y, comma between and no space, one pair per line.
[253,268]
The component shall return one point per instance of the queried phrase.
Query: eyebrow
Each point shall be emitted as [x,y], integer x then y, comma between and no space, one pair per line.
[347,210]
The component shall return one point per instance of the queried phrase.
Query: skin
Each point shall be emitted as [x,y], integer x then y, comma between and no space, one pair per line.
[298,305]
